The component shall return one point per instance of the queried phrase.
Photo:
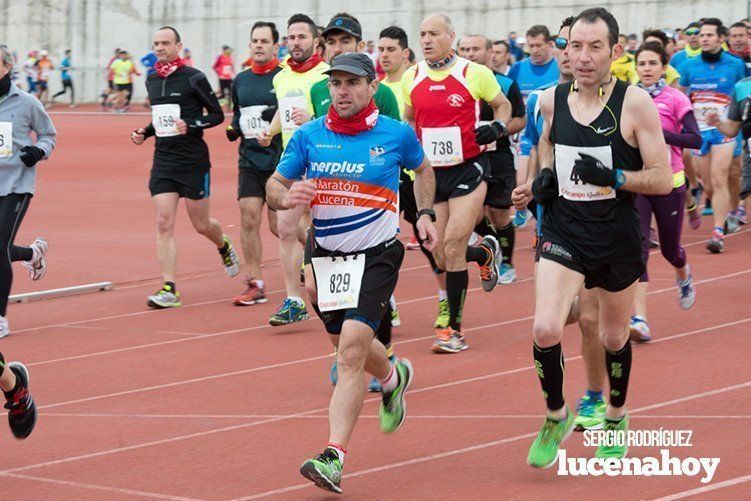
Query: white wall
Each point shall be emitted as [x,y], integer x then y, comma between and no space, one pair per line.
[94,28]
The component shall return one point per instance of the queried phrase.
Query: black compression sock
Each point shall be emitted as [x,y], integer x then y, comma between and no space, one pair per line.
[456,290]
[478,254]
[506,237]
[550,370]
[224,249]
[170,286]
[484,228]
[618,365]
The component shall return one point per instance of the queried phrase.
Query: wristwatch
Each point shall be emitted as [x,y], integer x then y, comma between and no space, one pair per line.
[504,129]
[426,212]
[620,178]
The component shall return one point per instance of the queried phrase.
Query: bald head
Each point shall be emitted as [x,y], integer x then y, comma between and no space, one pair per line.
[436,37]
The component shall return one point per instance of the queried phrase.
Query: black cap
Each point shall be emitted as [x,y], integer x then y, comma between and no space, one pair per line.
[356,63]
[345,24]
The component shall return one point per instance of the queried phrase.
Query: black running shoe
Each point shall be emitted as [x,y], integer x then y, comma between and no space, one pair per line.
[22,413]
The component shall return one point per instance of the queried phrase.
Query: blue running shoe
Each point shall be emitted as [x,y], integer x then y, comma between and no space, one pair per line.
[639,330]
[520,219]
[374,386]
[687,291]
[290,312]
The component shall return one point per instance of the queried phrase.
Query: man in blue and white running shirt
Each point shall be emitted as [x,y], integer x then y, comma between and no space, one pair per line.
[351,160]
[538,71]
[709,80]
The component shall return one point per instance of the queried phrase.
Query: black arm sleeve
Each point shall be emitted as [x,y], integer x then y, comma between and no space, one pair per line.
[517,103]
[149,130]
[214,114]
[689,137]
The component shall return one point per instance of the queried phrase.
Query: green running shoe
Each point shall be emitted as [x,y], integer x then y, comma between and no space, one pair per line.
[544,450]
[442,320]
[590,413]
[324,470]
[394,407]
[620,427]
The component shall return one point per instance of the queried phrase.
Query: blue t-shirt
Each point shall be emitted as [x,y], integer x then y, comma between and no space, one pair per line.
[64,68]
[710,85]
[678,59]
[357,179]
[530,77]
[533,128]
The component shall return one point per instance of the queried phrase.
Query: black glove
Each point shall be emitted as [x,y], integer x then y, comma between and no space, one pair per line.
[267,115]
[232,134]
[545,187]
[591,171]
[31,155]
[486,134]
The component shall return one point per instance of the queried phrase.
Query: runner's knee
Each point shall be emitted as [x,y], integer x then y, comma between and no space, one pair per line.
[613,339]
[546,333]
[351,358]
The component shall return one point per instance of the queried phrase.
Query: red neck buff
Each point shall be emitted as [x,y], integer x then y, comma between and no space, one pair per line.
[262,69]
[363,121]
[743,54]
[311,63]
[166,69]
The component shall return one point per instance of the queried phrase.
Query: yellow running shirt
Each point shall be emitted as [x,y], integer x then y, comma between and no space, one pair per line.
[396,88]
[480,81]
[293,91]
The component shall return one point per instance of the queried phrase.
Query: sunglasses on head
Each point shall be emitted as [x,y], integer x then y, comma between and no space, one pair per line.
[692,31]
[561,43]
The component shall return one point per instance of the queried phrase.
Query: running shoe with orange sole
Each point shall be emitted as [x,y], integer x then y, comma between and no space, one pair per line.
[253,294]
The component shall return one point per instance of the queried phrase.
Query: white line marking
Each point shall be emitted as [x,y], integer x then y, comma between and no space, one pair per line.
[324,409]
[96,487]
[706,488]
[695,396]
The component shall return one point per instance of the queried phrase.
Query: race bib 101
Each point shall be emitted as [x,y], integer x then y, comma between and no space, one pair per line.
[164,117]
[443,145]
[251,123]
[6,139]
[570,186]
[338,280]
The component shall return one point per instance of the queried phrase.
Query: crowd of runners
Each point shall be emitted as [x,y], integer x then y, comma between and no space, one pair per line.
[606,140]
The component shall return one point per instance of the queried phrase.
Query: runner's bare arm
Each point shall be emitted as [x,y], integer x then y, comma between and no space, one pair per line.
[728,128]
[545,156]
[283,193]
[274,128]
[656,178]
[501,108]
[409,115]
[424,185]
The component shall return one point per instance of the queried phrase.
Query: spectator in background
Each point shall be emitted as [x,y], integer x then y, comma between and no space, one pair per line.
[738,44]
[67,81]
[633,44]
[516,51]
[44,69]
[371,52]
[148,61]
[188,58]
[29,68]
[500,57]
[624,68]
[224,67]
[283,49]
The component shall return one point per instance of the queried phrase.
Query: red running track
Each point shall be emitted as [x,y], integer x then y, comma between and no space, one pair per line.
[208,402]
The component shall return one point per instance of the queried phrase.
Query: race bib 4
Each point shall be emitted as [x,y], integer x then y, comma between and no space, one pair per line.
[570,186]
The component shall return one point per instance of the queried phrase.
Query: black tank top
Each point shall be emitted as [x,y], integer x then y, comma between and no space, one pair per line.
[599,223]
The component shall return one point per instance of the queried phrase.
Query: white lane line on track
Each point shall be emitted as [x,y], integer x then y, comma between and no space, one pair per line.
[324,409]
[707,488]
[116,490]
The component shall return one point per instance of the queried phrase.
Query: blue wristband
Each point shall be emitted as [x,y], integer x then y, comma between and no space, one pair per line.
[620,178]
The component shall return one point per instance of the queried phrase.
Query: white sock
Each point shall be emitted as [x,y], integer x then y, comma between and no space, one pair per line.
[392,302]
[389,384]
[259,283]
[442,296]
